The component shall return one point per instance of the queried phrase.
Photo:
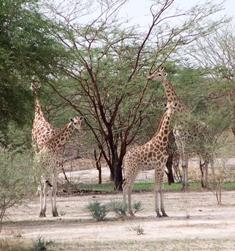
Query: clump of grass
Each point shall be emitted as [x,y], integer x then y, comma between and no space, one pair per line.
[138,229]
[97,210]
[116,207]
[10,244]
[41,244]
[137,206]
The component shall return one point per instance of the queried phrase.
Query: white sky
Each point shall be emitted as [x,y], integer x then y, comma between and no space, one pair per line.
[138,10]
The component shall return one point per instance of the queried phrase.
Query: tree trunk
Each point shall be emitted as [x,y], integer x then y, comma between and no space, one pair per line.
[169,165]
[98,165]
[204,174]
[118,177]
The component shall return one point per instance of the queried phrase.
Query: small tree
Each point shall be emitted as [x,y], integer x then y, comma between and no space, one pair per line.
[16,183]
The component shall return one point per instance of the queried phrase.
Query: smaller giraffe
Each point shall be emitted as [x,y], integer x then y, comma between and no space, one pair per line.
[51,163]
[152,155]
[42,129]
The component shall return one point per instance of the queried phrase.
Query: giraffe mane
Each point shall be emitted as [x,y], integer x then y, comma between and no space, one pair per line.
[160,124]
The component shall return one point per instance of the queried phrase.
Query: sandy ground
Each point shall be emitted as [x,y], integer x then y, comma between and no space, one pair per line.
[195,222]
[194,219]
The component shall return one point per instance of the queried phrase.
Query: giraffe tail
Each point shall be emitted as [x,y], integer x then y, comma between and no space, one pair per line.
[48,183]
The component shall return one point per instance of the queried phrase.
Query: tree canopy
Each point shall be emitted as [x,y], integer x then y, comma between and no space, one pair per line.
[27,50]
[110,61]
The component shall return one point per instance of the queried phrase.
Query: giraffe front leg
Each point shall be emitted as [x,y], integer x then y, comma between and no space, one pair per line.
[156,202]
[54,207]
[162,194]
[54,193]
[129,190]
[162,197]
[124,198]
[159,187]
[43,199]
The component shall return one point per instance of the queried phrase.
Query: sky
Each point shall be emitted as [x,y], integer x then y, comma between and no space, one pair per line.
[138,10]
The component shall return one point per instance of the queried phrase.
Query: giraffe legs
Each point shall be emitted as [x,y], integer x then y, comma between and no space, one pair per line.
[127,189]
[43,198]
[159,187]
[53,195]
[46,187]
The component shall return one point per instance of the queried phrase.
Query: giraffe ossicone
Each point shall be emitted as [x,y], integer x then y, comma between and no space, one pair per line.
[152,155]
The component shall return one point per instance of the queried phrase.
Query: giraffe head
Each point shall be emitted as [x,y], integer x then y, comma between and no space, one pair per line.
[35,86]
[171,107]
[77,123]
[159,75]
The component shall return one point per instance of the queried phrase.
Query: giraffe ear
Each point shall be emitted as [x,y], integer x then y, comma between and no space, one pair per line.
[81,118]
[165,105]
[71,120]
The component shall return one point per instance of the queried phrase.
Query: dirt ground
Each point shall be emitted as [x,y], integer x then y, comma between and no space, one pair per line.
[195,222]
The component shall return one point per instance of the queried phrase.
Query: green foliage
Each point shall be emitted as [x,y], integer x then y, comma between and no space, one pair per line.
[16,181]
[27,50]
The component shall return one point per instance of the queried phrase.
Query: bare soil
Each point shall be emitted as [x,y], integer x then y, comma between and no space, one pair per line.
[195,222]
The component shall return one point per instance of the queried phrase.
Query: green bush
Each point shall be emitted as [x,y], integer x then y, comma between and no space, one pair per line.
[16,180]
[41,244]
[97,210]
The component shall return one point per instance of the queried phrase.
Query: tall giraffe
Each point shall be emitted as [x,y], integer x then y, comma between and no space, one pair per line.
[161,76]
[152,155]
[42,130]
[49,157]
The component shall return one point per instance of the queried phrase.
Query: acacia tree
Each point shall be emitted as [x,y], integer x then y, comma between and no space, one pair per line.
[214,56]
[26,50]
[110,61]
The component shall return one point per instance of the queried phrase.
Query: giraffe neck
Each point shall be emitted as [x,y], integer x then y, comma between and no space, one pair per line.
[56,142]
[161,136]
[39,115]
[173,97]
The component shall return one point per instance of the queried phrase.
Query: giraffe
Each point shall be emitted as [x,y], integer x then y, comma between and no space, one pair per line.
[49,157]
[161,76]
[42,130]
[152,155]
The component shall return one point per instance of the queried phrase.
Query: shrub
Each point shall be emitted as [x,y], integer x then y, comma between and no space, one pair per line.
[97,210]
[16,181]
